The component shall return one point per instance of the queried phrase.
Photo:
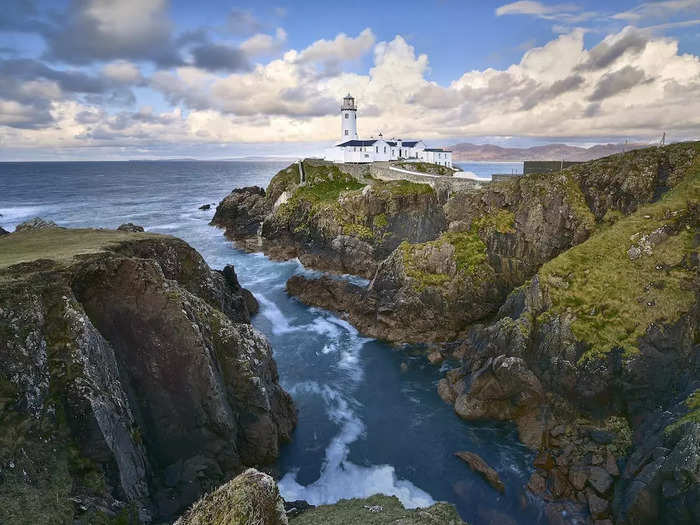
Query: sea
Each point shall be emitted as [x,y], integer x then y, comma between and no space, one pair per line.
[370,418]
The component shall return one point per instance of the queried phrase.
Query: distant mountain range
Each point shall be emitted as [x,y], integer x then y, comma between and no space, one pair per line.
[488,152]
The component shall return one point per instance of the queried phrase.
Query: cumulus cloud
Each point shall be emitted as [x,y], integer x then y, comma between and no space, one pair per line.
[128,29]
[219,57]
[263,44]
[630,40]
[123,72]
[341,48]
[617,82]
[631,83]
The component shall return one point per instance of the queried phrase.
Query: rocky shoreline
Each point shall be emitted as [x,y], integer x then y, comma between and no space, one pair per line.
[569,299]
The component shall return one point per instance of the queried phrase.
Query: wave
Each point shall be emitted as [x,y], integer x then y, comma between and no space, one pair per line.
[342,479]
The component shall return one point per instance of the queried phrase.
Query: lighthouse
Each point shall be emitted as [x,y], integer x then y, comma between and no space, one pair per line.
[348,119]
[352,149]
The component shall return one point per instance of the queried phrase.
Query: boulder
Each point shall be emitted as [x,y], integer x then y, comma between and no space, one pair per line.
[477,464]
[505,389]
[251,498]
[130,227]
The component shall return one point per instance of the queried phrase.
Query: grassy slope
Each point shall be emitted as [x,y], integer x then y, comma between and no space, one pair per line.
[60,244]
[325,184]
[613,298]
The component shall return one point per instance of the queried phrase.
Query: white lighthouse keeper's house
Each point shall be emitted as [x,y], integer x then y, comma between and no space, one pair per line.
[353,149]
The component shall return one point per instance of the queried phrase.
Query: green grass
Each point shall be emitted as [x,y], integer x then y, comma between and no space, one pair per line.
[613,299]
[402,187]
[380,221]
[356,511]
[60,244]
[693,415]
[427,167]
[469,249]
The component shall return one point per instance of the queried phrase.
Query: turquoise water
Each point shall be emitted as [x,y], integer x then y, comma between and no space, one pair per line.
[365,426]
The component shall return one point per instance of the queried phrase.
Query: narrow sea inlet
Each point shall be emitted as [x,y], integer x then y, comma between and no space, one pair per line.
[370,419]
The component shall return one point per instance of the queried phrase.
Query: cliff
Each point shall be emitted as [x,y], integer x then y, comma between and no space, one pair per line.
[571,302]
[597,359]
[333,221]
[496,239]
[131,380]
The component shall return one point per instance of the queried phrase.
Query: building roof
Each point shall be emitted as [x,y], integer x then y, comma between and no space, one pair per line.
[440,150]
[357,143]
[404,143]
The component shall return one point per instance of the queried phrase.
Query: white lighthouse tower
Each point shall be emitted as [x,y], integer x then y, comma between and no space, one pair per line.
[348,119]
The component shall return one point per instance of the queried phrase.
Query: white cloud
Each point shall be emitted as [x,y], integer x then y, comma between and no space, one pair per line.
[527,7]
[658,10]
[341,48]
[631,83]
[123,72]
[263,44]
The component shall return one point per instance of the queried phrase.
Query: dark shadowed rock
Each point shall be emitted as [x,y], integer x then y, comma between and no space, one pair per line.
[130,227]
[204,207]
[241,212]
[131,375]
[3,231]
[477,464]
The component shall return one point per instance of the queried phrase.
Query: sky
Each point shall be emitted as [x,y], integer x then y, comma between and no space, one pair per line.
[131,79]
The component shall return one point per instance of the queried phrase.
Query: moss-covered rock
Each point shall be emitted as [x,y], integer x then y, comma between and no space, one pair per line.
[130,378]
[338,222]
[498,238]
[251,498]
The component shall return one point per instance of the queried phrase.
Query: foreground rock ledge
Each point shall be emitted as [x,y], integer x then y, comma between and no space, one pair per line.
[253,499]
[131,380]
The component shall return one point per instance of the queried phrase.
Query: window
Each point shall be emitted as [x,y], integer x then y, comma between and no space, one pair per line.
[346,115]
[384,149]
[346,131]
[376,149]
[392,152]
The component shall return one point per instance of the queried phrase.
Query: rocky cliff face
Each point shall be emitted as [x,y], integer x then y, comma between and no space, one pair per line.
[333,221]
[130,378]
[597,361]
[496,239]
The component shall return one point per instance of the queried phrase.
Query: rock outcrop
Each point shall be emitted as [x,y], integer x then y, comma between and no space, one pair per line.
[251,498]
[131,380]
[497,238]
[3,231]
[601,348]
[242,212]
[333,221]
[37,223]
[130,227]
[477,464]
